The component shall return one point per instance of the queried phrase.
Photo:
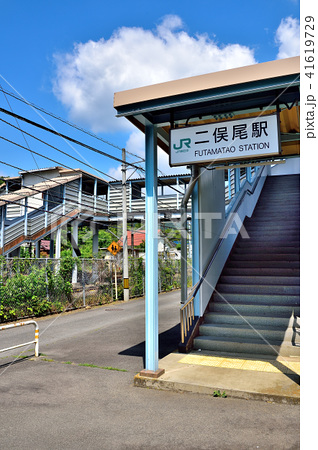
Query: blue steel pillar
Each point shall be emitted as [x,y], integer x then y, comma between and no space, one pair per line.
[195,245]
[151,300]
[237,180]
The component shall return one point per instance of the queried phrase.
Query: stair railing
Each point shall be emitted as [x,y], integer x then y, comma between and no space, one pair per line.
[187,313]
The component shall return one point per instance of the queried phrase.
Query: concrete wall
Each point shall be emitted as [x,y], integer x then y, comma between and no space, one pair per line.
[211,217]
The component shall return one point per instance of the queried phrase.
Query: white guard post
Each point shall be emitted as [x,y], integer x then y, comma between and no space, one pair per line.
[36,336]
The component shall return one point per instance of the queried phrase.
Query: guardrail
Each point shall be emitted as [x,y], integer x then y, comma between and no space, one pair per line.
[20,324]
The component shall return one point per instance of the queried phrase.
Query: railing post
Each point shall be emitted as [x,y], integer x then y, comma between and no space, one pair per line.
[3,218]
[249,174]
[36,339]
[46,205]
[26,216]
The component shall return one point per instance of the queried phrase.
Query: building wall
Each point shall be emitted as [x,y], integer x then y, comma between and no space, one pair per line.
[291,166]
[211,222]
[29,179]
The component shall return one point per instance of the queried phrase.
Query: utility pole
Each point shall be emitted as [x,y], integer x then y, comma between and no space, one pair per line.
[125,242]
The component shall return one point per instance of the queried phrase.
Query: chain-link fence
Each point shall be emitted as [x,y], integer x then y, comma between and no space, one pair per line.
[38,286]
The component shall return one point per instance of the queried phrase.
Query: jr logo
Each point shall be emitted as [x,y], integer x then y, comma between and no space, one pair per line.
[184,145]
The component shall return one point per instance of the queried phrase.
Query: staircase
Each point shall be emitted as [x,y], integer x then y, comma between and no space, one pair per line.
[255,306]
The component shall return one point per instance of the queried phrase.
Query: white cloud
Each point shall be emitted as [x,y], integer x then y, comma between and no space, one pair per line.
[87,78]
[288,38]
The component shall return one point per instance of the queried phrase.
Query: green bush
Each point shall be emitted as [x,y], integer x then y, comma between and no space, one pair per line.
[36,293]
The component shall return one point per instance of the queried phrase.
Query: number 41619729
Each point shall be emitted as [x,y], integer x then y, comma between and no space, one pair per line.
[309,44]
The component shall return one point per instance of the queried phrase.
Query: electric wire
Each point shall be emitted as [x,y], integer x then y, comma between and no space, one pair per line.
[67,122]
[79,143]
[18,127]
[57,162]
[61,151]
[68,138]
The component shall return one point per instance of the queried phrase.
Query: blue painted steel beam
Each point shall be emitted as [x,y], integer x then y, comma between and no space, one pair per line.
[151,300]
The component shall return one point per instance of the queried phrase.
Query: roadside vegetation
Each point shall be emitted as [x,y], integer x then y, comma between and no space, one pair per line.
[30,287]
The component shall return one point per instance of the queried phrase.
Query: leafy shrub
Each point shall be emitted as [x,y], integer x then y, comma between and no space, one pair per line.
[36,293]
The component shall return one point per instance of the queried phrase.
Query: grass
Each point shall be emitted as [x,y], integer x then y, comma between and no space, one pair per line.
[218,394]
[94,366]
[102,367]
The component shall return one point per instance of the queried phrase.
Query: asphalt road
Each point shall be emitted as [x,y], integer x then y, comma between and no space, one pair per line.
[55,402]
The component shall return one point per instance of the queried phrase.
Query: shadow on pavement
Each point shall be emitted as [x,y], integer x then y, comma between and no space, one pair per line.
[168,343]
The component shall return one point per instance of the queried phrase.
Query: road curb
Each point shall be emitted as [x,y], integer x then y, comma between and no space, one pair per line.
[161,384]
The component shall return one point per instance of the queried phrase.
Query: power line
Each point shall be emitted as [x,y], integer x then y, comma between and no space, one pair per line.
[67,122]
[57,162]
[18,127]
[68,138]
[80,143]
[61,151]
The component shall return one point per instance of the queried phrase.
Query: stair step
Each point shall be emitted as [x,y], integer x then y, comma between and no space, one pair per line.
[293,197]
[249,346]
[254,249]
[278,213]
[254,309]
[258,289]
[277,335]
[248,244]
[263,232]
[254,320]
[264,264]
[262,271]
[272,225]
[265,256]
[259,280]
[263,299]
[278,239]
[282,207]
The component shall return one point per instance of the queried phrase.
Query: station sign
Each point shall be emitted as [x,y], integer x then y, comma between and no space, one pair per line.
[247,138]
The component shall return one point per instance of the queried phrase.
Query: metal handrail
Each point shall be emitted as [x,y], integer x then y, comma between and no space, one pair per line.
[36,336]
[187,314]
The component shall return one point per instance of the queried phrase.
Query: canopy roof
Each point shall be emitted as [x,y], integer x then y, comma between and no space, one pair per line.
[242,92]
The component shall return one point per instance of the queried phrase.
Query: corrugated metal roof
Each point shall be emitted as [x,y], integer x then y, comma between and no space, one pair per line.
[36,188]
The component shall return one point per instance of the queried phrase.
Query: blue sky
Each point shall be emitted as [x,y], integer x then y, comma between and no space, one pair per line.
[69,57]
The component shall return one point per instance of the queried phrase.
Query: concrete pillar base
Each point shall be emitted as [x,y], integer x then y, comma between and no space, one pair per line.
[152,373]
